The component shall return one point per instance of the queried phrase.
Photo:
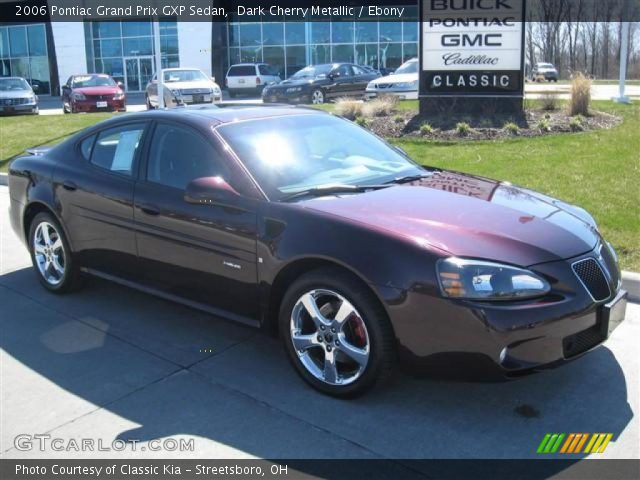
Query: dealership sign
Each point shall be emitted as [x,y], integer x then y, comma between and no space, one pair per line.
[472,48]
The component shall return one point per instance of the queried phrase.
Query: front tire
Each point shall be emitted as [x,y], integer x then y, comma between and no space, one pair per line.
[336,333]
[51,255]
[317,97]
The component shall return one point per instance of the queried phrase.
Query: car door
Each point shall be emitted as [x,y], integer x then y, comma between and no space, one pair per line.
[94,190]
[361,79]
[202,253]
[342,78]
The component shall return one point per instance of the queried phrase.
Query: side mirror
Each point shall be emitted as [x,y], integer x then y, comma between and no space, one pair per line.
[213,79]
[120,84]
[210,191]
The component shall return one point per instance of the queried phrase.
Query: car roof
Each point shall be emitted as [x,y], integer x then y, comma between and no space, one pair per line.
[208,116]
[247,64]
[13,78]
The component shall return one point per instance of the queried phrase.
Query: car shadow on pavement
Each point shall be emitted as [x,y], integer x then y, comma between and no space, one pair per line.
[111,363]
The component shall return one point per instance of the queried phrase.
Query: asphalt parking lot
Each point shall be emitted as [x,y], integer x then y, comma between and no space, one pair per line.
[108,363]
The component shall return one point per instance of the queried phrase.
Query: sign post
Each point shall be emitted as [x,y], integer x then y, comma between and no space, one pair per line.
[472,56]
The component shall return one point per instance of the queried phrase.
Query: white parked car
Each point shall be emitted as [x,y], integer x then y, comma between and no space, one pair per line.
[183,86]
[403,83]
[250,78]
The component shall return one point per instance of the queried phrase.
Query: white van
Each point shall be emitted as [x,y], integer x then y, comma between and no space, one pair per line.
[250,78]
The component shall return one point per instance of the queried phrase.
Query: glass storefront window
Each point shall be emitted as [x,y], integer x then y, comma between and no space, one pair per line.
[136,29]
[137,46]
[390,55]
[296,59]
[106,29]
[251,54]
[18,42]
[111,48]
[23,49]
[320,54]
[273,33]
[320,32]
[294,33]
[342,53]
[37,40]
[390,31]
[250,34]
[169,45]
[366,32]
[4,43]
[342,32]
[410,51]
[367,54]
[275,56]
[410,32]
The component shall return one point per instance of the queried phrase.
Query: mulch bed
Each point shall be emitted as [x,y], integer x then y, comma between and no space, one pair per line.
[407,124]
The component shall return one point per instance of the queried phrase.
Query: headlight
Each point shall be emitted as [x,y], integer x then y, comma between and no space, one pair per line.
[118,96]
[31,99]
[175,93]
[480,280]
[78,96]
[413,84]
[216,91]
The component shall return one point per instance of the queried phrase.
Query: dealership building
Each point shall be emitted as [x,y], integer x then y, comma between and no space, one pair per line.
[47,53]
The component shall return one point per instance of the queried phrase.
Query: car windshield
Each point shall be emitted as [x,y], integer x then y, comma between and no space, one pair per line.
[408,67]
[8,84]
[296,153]
[93,81]
[184,76]
[313,71]
[545,65]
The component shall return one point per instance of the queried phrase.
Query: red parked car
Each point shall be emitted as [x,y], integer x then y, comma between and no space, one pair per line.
[93,93]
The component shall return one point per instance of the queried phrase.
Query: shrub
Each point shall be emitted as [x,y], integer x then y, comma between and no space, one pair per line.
[426,129]
[380,107]
[544,125]
[540,79]
[577,123]
[512,128]
[549,102]
[547,116]
[348,108]
[363,122]
[463,128]
[398,119]
[580,95]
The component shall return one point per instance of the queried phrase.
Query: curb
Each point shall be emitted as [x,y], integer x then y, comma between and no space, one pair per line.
[4,179]
[631,283]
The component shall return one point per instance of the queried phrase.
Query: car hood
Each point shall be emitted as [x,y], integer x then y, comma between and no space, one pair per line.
[104,90]
[402,78]
[297,83]
[16,94]
[186,85]
[468,216]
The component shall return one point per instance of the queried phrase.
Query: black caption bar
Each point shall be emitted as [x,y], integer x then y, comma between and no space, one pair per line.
[16,11]
[331,469]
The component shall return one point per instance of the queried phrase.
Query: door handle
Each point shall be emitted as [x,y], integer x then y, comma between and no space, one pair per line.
[150,210]
[69,185]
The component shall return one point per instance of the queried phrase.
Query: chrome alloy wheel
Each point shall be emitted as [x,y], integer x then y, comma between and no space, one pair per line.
[49,253]
[329,337]
[317,97]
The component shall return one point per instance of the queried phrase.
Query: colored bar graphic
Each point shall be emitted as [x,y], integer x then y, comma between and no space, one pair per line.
[574,442]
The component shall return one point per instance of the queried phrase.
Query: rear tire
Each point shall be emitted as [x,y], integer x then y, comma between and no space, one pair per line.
[317,97]
[350,346]
[51,255]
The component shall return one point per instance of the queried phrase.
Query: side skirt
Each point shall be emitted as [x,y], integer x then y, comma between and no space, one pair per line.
[174,298]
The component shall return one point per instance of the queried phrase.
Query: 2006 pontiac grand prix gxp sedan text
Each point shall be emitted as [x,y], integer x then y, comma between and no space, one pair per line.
[301,222]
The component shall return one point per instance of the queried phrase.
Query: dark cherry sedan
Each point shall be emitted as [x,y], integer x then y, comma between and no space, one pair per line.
[317,84]
[93,93]
[300,222]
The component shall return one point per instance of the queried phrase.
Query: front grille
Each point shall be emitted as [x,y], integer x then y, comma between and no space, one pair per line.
[593,278]
[195,91]
[98,97]
[14,101]
[582,341]
[384,85]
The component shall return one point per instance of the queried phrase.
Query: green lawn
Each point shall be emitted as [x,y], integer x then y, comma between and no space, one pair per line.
[599,171]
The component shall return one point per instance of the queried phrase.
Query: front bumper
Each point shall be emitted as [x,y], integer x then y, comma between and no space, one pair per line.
[99,105]
[370,94]
[475,340]
[14,109]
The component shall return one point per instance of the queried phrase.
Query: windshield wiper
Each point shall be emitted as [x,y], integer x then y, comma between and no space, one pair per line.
[330,190]
[408,179]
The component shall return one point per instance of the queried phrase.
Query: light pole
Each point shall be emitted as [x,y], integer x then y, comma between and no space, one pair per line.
[624,52]
[158,58]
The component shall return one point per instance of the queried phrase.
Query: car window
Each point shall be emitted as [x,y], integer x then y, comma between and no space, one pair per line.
[242,71]
[115,149]
[267,70]
[179,155]
[86,146]
[359,71]
[343,71]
